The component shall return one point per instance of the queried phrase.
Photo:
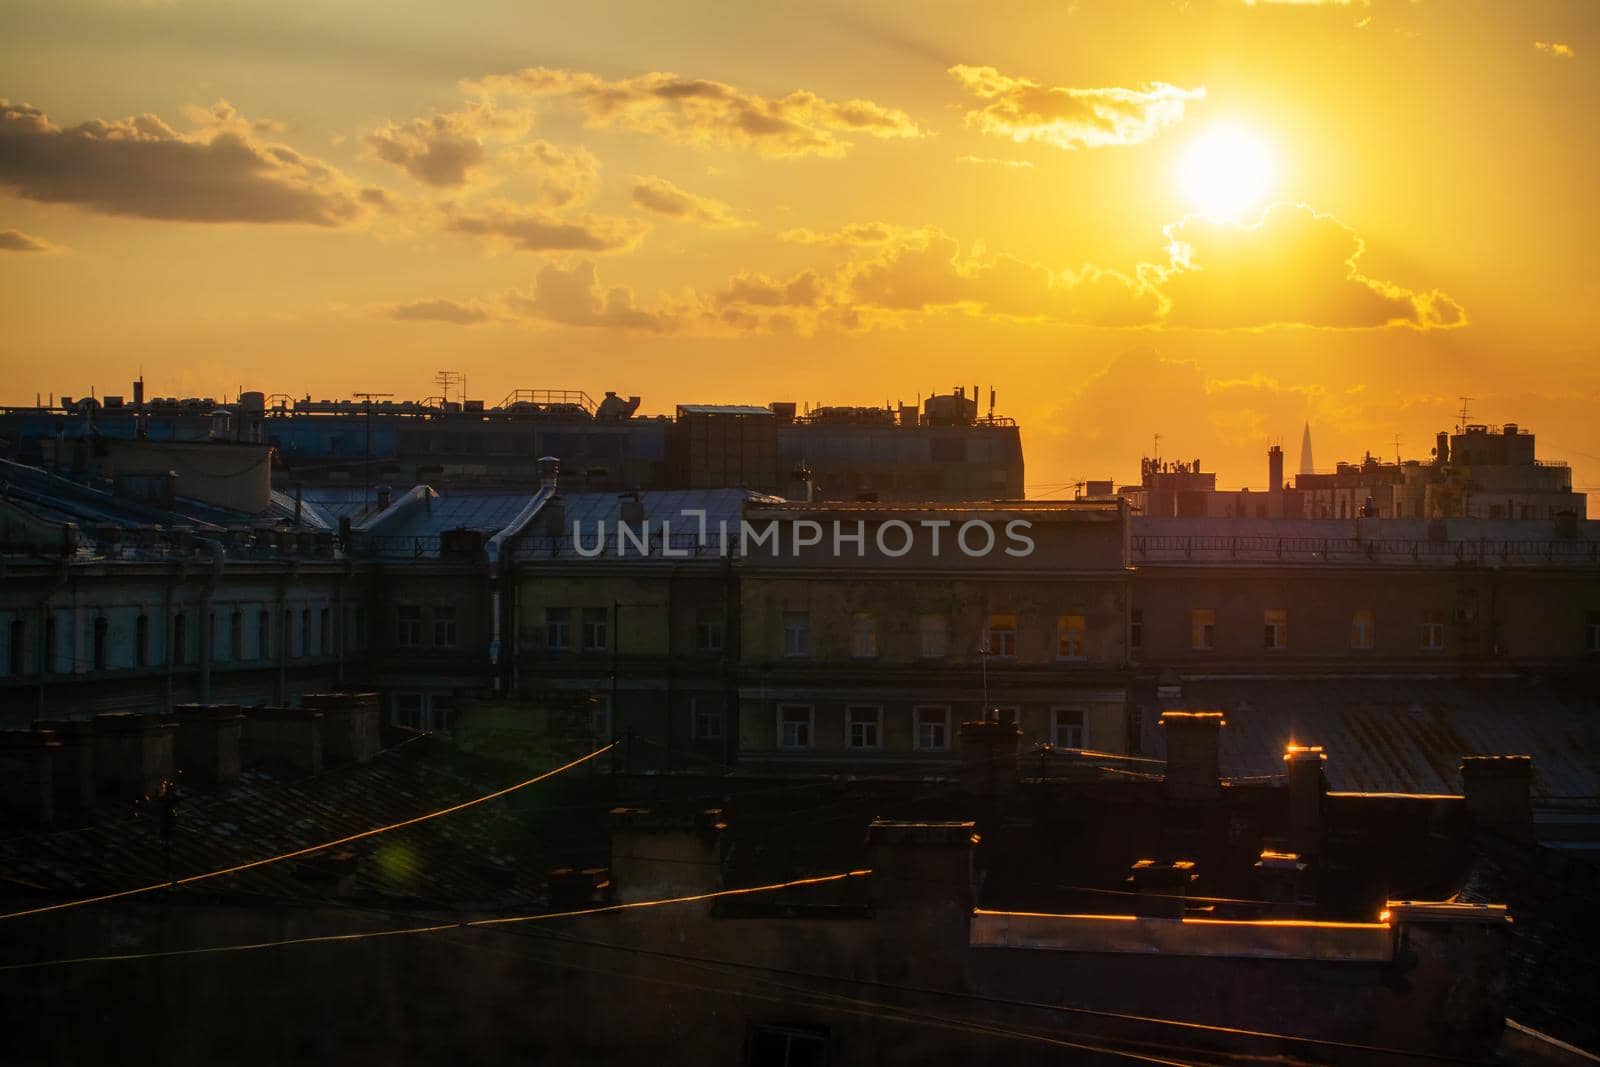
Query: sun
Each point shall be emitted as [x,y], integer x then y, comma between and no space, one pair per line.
[1226,171]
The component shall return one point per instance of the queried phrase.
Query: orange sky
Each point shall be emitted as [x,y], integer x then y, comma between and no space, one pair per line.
[826,202]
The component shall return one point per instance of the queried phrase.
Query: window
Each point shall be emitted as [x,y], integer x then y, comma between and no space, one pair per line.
[236,637]
[102,633]
[19,646]
[407,711]
[708,630]
[1136,629]
[794,725]
[558,629]
[1070,632]
[934,631]
[444,627]
[1275,629]
[596,637]
[1069,727]
[933,728]
[264,635]
[180,639]
[1591,632]
[796,633]
[303,646]
[1002,636]
[141,641]
[600,718]
[441,712]
[1362,630]
[1433,630]
[705,718]
[767,1045]
[864,635]
[325,631]
[864,726]
[408,626]
[1203,630]
[361,627]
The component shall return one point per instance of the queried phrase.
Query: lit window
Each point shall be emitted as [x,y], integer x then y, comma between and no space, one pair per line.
[1275,629]
[796,633]
[708,630]
[705,719]
[794,726]
[1433,630]
[408,626]
[1362,630]
[933,728]
[1203,629]
[1070,633]
[864,635]
[864,726]
[595,635]
[1069,727]
[558,629]
[444,627]
[1002,636]
[934,631]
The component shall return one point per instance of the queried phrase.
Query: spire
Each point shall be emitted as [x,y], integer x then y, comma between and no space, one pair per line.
[1306,464]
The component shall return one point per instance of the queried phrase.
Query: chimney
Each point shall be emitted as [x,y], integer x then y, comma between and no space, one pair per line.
[1275,469]
[385,494]
[631,509]
[208,741]
[655,855]
[1441,449]
[918,864]
[1497,794]
[133,754]
[288,737]
[549,468]
[1194,767]
[73,769]
[1160,887]
[27,786]
[349,725]
[1278,874]
[989,751]
[1307,787]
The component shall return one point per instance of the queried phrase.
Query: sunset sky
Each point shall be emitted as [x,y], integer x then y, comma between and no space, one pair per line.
[1213,220]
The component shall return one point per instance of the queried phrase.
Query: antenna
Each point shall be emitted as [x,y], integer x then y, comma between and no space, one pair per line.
[366,466]
[445,379]
[1156,453]
[1396,450]
[1465,400]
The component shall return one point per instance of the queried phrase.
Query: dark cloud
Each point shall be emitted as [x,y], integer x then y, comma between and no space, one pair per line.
[1024,110]
[442,150]
[534,230]
[17,241]
[142,168]
[664,198]
[459,313]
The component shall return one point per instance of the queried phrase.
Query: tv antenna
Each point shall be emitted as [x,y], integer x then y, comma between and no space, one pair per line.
[445,379]
[1397,450]
[1465,400]
[366,466]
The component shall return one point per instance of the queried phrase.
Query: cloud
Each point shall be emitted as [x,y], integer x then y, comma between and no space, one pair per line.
[1024,110]
[855,234]
[573,296]
[664,198]
[1554,48]
[560,177]
[986,161]
[709,113]
[1293,267]
[536,230]
[457,312]
[142,168]
[443,149]
[17,241]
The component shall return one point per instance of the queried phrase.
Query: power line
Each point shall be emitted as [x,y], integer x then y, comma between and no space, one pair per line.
[191,879]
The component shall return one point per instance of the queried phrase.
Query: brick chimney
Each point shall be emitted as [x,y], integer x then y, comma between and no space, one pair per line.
[1307,787]
[208,741]
[1194,768]
[1160,887]
[917,864]
[1497,789]
[27,788]
[288,737]
[73,764]
[658,854]
[349,725]
[133,754]
[989,751]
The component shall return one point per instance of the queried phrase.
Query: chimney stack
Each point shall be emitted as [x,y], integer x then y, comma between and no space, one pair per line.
[349,725]
[655,855]
[72,769]
[917,864]
[133,754]
[1275,469]
[549,468]
[1307,787]
[1497,789]
[1160,887]
[989,751]
[1194,764]
[27,786]
[289,737]
[208,741]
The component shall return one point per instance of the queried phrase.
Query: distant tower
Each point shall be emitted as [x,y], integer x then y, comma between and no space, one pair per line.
[1306,465]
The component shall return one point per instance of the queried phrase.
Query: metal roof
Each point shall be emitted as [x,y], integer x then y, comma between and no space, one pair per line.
[590,513]
[486,511]
[1389,735]
[722,409]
